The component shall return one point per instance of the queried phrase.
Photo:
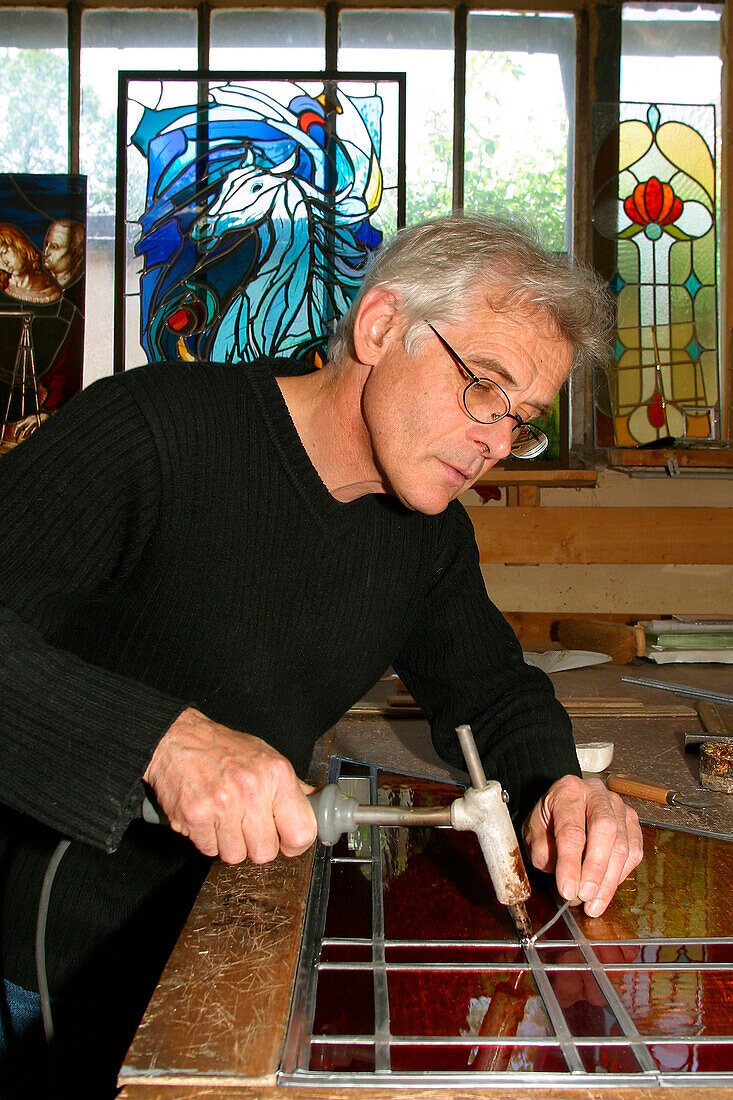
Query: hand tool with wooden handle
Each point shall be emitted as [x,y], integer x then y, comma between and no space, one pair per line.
[640,788]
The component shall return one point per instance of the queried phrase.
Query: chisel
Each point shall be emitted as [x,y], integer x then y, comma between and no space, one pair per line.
[639,788]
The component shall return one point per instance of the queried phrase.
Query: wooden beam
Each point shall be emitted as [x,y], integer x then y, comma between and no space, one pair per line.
[530,475]
[711,458]
[619,536]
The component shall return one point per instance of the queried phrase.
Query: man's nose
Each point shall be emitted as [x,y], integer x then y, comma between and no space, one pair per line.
[494,440]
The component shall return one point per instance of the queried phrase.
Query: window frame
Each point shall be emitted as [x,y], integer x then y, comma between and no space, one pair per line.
[597,79]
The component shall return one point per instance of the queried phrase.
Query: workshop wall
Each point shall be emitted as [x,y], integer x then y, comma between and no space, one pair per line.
[628,589]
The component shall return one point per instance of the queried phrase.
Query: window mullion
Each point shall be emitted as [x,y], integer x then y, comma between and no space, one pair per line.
[460,38]
[73,33]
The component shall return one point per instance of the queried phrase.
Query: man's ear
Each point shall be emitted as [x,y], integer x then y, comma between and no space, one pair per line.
[376,319]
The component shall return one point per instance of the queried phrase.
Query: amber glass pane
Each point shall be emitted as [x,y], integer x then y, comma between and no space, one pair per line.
[585,1008]
[662,897]
[674,1002]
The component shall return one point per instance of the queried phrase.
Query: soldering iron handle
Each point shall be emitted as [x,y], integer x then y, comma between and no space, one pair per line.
[334,812]
[470,754]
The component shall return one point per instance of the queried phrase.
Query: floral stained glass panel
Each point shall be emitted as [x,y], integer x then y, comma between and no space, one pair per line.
[654,236]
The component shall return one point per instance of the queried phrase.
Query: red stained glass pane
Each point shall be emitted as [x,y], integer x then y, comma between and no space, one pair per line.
[343,1058]
[675,1002]
[560,956]
[350,902]
[465,1002]
[692,1057]
[346,952]
[608,1059]
[482,1058]
[419,954]
[447,871]
[585,1008]
[344,1003]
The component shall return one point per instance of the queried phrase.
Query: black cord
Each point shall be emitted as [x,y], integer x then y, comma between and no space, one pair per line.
[41,918]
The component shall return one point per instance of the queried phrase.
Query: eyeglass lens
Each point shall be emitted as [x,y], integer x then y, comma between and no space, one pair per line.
[485,401]
[528,441]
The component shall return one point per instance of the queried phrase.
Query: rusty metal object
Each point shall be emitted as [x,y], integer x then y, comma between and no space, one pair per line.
[716,766]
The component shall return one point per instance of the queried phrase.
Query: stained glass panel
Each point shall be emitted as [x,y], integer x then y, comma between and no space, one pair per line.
[409,966]
[264,200]
[654,233]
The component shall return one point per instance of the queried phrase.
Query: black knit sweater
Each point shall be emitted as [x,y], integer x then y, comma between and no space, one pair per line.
[167,542]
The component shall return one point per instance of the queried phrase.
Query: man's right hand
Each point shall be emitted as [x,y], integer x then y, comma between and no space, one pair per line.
[233,794]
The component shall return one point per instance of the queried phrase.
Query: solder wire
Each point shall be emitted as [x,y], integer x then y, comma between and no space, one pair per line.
[41,919]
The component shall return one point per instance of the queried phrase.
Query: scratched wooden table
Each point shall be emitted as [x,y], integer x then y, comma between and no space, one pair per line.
[216,1024]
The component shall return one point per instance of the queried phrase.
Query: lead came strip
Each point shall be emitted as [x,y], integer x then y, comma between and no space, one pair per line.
[641,1052]
[382,1063]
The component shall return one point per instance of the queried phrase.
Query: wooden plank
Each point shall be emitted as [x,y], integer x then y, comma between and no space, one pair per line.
[221,1007]
[699,458]
[621,536]
[559,479]
[523,496]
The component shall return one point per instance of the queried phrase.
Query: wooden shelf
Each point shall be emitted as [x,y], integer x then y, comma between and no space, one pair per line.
[713,458]
[565,479]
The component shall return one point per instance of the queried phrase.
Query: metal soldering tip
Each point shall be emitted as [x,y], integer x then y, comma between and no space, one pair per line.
[522,923]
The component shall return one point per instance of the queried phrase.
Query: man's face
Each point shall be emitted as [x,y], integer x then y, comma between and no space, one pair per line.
[57,249]
[426,448]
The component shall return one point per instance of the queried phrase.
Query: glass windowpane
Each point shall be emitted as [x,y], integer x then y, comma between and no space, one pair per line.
[264,41]
[33,91]
[113,41]
[420,44]
[520,81]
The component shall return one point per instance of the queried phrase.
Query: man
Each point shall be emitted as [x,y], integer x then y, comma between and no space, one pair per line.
[205,566]
[63,251]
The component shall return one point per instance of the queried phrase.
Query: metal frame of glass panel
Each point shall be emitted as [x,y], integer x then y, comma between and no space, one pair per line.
[301,1041]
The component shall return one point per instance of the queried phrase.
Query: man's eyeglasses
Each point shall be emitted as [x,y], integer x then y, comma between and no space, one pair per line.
[485,402]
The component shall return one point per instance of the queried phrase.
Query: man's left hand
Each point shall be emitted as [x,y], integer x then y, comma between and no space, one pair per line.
[587,836]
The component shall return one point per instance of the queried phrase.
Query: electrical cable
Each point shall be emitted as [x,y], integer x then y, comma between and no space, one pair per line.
[41,918]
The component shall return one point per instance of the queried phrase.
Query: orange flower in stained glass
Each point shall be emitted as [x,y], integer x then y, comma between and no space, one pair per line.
[653,202]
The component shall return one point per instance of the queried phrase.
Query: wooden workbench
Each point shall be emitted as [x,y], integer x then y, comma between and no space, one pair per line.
[216,1023]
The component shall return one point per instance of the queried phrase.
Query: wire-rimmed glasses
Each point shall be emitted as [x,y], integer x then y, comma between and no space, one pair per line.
[486,402]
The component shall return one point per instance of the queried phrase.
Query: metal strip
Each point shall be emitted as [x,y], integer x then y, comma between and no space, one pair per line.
[554,1011]
[641,1053]
[296,1049]
[681,689]
[507,968]
[650,941]
[382,1063]
[524,1041]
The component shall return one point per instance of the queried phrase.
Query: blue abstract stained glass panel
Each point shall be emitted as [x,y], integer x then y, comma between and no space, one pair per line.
[254,205]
